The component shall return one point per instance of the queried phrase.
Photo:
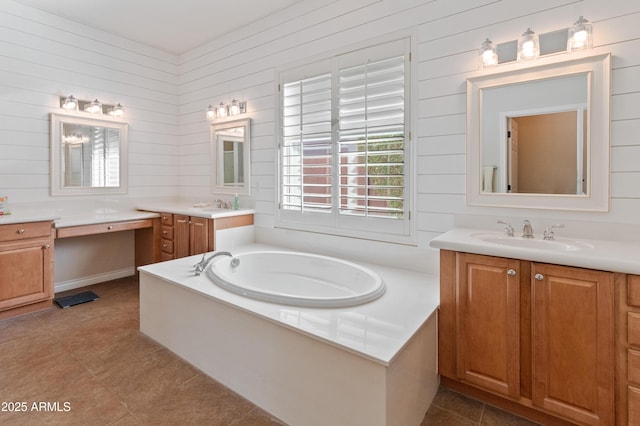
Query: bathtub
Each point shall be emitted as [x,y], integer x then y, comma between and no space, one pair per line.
[373,363]
[297,279]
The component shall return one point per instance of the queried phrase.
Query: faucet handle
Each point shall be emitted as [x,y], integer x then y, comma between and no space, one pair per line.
[508,229]
[548,231]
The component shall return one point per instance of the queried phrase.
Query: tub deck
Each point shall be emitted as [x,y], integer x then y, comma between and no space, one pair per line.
[372,364]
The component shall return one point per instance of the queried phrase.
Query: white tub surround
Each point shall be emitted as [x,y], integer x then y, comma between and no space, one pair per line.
[606,255]
[373,364]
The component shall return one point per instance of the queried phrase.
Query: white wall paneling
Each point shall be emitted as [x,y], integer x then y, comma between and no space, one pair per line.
[166,96]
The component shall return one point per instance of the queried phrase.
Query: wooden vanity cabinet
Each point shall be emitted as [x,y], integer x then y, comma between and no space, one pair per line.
[540,336]
[183,235]
[26,267]
[628,350]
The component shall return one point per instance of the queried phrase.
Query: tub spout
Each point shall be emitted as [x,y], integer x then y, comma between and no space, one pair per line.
[200,266]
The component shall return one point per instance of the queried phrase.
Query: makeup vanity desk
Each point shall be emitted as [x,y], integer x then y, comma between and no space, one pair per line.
[27,239]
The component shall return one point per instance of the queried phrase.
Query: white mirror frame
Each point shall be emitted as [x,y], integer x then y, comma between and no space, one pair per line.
[218,187]
[598,70]
[57,121]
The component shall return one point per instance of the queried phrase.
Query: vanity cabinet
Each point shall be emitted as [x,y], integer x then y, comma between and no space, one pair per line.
[26,267]
[628,351]
[183,235]
[540,336]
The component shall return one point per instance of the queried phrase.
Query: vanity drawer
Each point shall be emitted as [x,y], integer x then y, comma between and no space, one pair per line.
[23,231]
[633,329]
[165,256]
[167,233]
[633,290]
[166,219]
[166,246]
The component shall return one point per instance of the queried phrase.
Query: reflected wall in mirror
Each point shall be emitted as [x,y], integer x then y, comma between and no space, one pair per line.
[230,157]
[88,155]
[538,137]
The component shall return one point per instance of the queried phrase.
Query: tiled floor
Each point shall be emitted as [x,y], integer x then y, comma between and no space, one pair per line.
[89,365]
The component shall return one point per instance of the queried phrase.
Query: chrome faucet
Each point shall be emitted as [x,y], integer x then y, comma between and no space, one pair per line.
[200,266]
[223,204]
[548,232]
[508,229]
[527,230]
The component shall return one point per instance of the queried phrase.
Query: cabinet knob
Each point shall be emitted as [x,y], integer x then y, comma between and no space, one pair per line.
[46,247]
[20,231]
[539,277]
[511,272]
[110,227]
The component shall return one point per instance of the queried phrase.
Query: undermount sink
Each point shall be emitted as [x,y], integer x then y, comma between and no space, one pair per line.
[558,244]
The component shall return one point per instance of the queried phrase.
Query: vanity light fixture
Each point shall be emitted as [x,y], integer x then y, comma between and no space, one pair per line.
[70,103]
[528,46]
[580,35]
[236,107]
[488,54]
[94,107]
[116,111]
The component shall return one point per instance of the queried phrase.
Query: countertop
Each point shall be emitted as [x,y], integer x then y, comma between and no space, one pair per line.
[377,330]
[605,255]
[88,212]
[186,208]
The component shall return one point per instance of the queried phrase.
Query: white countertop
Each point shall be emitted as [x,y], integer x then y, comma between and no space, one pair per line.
[88,212]
[605,255]
[377,330]
[186,208]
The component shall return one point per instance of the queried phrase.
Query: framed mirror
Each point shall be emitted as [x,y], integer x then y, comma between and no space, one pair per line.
[538,137]
[88,155]
[231,157]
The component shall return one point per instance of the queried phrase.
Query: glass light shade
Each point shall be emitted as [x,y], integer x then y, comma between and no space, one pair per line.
[117,111]
[70,103]
[488,54]
[528,46]
[221,110]
[211,113]
[94,107]
[580,35]
[234,108]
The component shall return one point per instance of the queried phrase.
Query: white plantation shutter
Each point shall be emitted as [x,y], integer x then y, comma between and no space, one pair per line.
[344,145]
[371,138]
[306,150]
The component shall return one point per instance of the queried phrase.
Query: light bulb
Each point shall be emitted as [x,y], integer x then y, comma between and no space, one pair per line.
[580,35]
[70,103]
[488,54]
[528,46]
[211,113]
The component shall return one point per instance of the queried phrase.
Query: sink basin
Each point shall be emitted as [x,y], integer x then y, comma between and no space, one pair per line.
[558,244]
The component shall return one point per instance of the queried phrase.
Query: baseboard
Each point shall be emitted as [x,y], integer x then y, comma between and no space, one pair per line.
[93,279]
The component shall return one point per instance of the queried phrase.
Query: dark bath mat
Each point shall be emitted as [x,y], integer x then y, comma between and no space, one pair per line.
[76,299]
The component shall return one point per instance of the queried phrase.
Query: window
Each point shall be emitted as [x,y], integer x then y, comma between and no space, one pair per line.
[344,145]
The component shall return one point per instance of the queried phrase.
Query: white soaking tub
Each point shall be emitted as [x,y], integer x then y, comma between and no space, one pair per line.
[297,279]
[372,364]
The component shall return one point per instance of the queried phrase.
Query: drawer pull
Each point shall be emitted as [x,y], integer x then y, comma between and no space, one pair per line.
[511,272]
[46,247]
[539,277]
[165,232]
[20,231]
[164,246]
[110,227]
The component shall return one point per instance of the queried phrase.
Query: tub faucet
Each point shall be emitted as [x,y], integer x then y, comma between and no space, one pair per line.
[527,230]
[200,266]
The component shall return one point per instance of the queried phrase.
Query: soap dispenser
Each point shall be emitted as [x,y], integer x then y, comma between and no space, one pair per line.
[236,202]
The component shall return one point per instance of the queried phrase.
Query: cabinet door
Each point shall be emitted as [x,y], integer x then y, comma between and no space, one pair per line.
[573,343]
[180,235]
[199,235]
[488,322]
[25,273]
